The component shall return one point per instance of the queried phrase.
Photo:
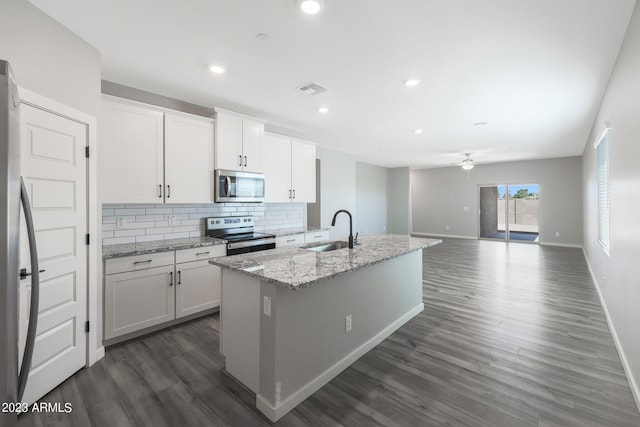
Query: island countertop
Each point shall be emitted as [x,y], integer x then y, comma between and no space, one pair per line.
[297,267]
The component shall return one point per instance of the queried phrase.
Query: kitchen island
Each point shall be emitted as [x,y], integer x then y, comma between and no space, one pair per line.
[293,318]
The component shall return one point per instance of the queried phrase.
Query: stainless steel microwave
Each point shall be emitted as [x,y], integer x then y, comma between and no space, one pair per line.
[233,186]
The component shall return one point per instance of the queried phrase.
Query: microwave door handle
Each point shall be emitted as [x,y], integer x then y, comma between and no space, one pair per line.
[228,186]
[35,293]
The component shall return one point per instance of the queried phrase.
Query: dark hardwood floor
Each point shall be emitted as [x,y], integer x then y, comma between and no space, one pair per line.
[511,335]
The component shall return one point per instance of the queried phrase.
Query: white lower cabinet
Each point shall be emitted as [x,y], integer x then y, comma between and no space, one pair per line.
[198,287]
[316,236]
[148,290]
[302,238]
[290,240]
[138,299]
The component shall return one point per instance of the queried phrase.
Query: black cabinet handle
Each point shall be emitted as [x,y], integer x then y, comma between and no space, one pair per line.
[203,253]
[239,160]
[245,161]
[160,191]
[142,262]
[294,194]
[168,191]
[179,277]
[171,278]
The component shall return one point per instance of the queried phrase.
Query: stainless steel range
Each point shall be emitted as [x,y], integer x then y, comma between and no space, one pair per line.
[238,231]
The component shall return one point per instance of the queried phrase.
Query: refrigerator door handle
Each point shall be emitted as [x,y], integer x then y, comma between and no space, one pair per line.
[35,293]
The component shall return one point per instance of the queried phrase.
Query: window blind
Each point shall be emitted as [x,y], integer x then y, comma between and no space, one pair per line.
[602,149]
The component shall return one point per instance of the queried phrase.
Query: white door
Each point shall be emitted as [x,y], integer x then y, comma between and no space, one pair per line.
[303,172]
[54,168]
[277,169]
[188,148]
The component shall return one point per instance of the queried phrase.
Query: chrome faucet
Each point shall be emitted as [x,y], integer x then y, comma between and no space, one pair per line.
[333,224]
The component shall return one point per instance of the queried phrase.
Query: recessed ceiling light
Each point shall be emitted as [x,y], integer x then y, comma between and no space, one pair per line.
[481,123]
[262,37]
[216,69]
[310,7]
[323,110]
[417,131]
[412,82]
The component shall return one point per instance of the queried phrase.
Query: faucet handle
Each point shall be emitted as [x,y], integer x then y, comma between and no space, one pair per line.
[355,239]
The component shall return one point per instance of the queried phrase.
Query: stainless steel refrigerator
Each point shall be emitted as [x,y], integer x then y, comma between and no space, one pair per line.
[13,372]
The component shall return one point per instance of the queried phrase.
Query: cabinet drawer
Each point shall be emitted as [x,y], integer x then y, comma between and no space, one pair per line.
[316,236]
[138,262]
[292,240]
[196,254]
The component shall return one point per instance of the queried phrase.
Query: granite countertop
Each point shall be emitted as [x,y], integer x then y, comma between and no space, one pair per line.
[295,230]
[297,268]
[128,249]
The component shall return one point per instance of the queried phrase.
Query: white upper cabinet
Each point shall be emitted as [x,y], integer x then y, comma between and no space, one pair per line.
[277,168]
[290,170]
[131,150]
[303,172]
[152,155]
[188,150]
[238,142]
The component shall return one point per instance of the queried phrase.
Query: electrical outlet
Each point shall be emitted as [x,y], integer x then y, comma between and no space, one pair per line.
[347,323]
[121,223]
[266,306]
[172,220]
[557,234]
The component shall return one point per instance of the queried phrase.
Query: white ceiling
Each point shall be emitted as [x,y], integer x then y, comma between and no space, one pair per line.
[536,70]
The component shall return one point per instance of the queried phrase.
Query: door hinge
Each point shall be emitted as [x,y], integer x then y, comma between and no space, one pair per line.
[86,151]
[86,326]
[87,239]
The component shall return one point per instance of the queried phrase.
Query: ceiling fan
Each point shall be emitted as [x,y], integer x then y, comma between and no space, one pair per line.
[468,163]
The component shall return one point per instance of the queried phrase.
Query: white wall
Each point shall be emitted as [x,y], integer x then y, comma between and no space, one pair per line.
[371,198]
[399,200]
[440,195]
[337,190]
[617,275]
[49,59]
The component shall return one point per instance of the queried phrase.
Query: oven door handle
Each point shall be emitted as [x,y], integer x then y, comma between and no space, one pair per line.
[249,243]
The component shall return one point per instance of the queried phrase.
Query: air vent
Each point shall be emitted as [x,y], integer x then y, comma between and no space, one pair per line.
[312,88]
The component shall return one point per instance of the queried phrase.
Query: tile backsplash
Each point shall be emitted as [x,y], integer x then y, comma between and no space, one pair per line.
[148,222]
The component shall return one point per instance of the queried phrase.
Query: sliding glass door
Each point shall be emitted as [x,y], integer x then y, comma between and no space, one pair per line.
[509,212]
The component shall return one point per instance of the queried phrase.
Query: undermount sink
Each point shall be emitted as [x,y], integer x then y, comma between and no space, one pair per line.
[327,246]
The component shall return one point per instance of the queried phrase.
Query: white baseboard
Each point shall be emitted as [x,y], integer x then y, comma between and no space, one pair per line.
[453,236]
[635,391]
[563,245]
[274,413]
[100,352]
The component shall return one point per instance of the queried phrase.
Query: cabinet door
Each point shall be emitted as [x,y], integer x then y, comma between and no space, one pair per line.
[277,169]
[303,172]
[252,133]
[228,142]
[137,300]
[131,140]
[188,148]
[197,288]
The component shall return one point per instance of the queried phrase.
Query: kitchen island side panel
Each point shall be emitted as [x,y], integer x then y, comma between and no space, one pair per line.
[240,327]
[307,326]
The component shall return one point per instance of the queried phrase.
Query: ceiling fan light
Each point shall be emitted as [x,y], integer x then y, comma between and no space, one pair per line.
[468,163]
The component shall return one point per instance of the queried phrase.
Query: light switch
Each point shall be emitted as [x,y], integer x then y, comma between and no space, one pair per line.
[266,306]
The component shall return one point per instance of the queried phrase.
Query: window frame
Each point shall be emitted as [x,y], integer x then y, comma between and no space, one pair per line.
[603,175]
